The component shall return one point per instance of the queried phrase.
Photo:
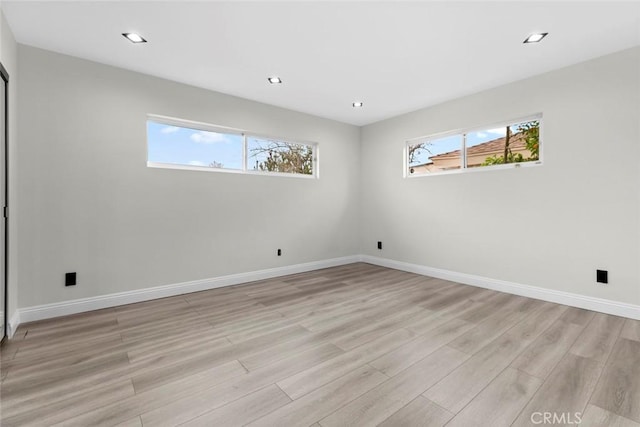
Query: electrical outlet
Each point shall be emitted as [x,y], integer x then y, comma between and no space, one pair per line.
[602,276]
[279,252]
[380,245]
[70,279]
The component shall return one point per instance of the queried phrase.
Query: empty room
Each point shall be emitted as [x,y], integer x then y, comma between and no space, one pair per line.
[320,213]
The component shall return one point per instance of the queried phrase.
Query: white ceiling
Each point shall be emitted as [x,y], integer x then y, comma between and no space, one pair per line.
[394,56]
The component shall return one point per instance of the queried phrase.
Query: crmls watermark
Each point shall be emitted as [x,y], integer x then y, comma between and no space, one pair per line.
[562,418]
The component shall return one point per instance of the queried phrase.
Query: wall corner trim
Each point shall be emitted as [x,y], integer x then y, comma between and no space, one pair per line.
[560,297]
[14,322]
[64,308]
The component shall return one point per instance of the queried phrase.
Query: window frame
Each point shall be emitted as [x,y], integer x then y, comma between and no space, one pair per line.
[195,125]
[463,148]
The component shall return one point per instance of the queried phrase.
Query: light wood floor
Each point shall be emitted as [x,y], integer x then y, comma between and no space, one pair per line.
[352,345]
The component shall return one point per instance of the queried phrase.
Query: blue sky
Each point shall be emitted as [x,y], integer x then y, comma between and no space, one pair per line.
[192,147]
[184,146]
[454,142]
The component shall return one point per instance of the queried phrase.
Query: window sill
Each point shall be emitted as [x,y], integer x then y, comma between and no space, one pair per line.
[476,169]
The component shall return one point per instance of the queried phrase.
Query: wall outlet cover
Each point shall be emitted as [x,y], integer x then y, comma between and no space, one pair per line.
[602,276]
[70,279]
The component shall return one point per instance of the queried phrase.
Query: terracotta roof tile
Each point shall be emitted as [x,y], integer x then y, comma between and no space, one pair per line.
[495,145]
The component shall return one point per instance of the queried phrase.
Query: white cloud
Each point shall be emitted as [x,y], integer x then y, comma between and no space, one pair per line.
[490,133]
[498,131]
[196,163]
[204,137]
[170,129]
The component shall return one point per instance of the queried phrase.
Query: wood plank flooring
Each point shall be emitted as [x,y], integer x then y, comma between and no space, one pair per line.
[350,345]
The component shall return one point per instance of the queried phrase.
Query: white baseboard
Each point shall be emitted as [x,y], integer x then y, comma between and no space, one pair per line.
[566,298]
[47,311]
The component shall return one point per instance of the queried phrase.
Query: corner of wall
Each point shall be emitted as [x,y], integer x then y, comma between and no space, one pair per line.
[9,59]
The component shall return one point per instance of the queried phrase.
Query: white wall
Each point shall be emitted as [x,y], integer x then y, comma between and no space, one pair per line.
[9,59]
[88,203]
[550,226]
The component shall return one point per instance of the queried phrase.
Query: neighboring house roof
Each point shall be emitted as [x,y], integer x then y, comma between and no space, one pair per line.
[516,142]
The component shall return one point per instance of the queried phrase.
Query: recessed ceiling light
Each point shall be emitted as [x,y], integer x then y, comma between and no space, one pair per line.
[357,104]
[134,38]
[535,38]
[274,80]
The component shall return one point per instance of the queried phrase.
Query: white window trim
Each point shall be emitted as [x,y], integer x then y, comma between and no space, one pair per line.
[183,123]
[462,132]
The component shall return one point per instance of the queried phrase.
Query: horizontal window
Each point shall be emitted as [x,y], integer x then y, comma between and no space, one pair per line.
[513,144]
[180,144]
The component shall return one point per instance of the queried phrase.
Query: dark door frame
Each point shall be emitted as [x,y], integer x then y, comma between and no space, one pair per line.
[5,202]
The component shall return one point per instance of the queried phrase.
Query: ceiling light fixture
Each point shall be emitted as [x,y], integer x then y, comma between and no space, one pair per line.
[134,37]
[357,104]
[535,38]
[274,80]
